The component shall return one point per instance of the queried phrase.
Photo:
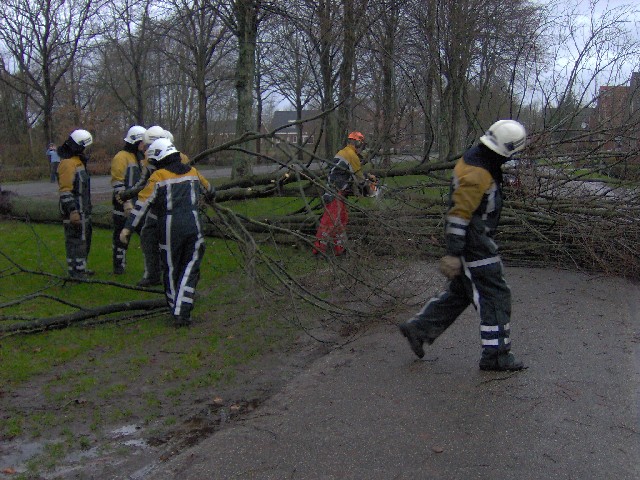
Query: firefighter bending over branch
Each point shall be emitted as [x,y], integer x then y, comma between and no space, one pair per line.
[172,195]
[472,263]
[345,178]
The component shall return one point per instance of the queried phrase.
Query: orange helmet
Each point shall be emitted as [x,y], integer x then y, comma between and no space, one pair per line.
[357,136]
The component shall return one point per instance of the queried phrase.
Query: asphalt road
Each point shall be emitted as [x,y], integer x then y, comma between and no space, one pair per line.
[372,411]
[101,184]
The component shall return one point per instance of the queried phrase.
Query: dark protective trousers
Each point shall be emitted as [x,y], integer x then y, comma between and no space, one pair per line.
[119,249]
[77,242]
[181,259]
[486,289]
[150,244]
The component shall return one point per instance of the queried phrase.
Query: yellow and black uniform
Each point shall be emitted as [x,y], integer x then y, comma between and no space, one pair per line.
[75,205]
[149,239]
[471,222]
[346,171]
[172,195]
[125,173]
[344,177]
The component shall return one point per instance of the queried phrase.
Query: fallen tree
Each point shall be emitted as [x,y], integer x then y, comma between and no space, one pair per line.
[553,219]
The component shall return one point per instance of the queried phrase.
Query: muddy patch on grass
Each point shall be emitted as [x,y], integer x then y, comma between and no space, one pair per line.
[81,437]
[119,414]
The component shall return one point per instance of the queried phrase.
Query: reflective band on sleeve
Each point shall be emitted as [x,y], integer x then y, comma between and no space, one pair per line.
[483,262]
[457,220]
[456,231]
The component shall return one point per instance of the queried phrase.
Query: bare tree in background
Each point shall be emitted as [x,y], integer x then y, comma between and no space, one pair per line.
[468,33]
[385,35]
[289,66]
[126,53]
[42,39]
[243,18]
[203,55]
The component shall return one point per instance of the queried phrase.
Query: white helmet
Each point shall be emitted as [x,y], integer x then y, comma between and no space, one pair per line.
[135,134]
[82,138]
[153,133]
[505,137]
[159,149]
[169,135]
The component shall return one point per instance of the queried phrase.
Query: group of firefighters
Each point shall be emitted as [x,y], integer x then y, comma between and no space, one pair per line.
[156,193]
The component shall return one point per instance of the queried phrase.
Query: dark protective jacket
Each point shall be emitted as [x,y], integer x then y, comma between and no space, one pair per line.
[475,204]
[146,171]
[346,170]
[125,167]
[74,186]
[173,190]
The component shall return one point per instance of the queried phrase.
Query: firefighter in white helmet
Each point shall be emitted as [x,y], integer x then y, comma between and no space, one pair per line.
[172,195]
[472,263]
[75,201]
[126,168]
[149,237]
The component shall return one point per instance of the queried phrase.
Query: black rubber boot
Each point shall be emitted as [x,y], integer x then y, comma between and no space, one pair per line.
[500,362]
[149,282]
[181,321]
[77,275]
[410,332]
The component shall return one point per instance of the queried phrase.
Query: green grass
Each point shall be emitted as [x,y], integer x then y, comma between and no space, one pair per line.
[266,207]
[130,368]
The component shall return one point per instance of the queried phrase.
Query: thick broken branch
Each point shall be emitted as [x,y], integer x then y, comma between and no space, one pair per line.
[62,321]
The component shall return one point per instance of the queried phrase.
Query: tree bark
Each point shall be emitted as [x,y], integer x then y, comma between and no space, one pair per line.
[63,321]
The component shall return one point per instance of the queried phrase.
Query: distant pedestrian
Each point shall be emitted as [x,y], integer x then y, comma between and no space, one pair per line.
[75,201]
[472,263]
[54,162]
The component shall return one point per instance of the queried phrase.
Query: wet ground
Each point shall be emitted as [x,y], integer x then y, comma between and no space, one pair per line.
[372,410]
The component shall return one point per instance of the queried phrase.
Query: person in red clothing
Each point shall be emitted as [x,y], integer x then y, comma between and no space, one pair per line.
[345,178]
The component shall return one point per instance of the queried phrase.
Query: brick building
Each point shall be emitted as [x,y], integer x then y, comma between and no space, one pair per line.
[617,118]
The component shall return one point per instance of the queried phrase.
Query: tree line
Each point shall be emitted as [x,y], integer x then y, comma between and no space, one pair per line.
[423,75]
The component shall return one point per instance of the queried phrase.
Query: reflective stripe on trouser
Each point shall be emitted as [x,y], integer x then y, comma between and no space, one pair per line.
[181,258]
[77,242]
[119,249]
[150,244]
[482,285]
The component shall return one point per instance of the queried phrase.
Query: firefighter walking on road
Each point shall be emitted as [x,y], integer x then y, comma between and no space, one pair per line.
[172,195]
[75,202]
[125,172]
[472,263]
